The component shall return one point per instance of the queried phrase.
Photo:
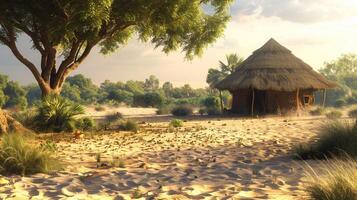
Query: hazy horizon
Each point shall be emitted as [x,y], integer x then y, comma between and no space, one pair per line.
[315,31]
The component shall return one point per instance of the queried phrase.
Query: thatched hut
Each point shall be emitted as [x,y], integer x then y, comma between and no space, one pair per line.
[271,81]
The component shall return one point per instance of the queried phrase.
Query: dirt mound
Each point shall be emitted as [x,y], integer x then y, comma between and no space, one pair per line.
[9,124]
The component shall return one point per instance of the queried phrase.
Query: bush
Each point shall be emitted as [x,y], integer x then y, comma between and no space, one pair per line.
[211,102]
[318,111]
[129,125]
[85,124]
[335,138]
[353,113]
[213,111]
[57,114]
[99,108]
[337,181]
[202,111]
[176,123]
[151,99]
[163,110]
[334,115]
[113,117]
[339,103]
[182,110]
[18,156]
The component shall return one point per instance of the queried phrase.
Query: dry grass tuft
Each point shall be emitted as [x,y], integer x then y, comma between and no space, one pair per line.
[336,181]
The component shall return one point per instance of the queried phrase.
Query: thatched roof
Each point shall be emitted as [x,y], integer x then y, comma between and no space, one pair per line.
[274,67]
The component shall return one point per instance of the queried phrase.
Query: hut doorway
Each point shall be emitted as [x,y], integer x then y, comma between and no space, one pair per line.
[260,103]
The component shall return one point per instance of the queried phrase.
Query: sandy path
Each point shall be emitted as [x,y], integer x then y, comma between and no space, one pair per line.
[218,159]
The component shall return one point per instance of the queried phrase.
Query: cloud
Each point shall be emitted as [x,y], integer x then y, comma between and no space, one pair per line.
[300,11]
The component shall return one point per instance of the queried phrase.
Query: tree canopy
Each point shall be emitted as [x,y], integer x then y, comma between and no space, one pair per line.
[70,29]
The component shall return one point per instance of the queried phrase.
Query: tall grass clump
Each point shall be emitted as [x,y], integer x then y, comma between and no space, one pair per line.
[334,114]
[176,123]
[57,114]
[335,138]
[129,125]
[19,156]
[318,111]
[353,113]
[337,180]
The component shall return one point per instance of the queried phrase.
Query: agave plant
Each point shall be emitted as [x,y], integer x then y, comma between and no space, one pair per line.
[57,114]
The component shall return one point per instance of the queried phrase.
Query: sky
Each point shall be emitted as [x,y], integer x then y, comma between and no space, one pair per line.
[314,30]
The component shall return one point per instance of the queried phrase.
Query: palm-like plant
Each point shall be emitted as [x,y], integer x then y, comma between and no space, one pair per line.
[216,75]
[57,114]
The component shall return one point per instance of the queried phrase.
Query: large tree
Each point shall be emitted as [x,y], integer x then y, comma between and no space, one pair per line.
[64,32]
[214,76]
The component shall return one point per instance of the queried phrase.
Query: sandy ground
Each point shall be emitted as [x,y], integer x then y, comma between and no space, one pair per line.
[207,159]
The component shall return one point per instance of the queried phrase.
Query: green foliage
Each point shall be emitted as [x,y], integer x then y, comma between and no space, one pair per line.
[164,109]
[334,114]
[343,71]
[339,103]
[57,114]
[182,110]
[176,123]
[85,124]
[318,111]
[33,94]
[99,108]
[353,113]
[19,156]
[215,76]
[128,125]
[16,96]
[152,83]
[335,138]
[113,117]
[336,180]
[211,105]
[74,28]
[151,99]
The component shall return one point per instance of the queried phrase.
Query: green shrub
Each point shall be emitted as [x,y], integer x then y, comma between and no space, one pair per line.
[353,113]
[113,117]
[99,108]
[214,111]
[336,181]
[19,156]
[57,114]
[334,114]
[202,111]
[335,138]
[85,124]
[26,117]
[129,125]
[340,102]
[163,110]
[151,99]
[318,111]
[176,123]
[211,102]
[182,110]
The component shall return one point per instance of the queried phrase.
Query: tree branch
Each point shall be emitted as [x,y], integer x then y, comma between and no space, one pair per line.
[27,63]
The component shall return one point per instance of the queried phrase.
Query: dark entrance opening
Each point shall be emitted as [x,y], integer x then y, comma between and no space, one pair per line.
[260,103]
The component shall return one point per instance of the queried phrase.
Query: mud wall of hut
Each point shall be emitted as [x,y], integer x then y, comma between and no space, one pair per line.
[270,102]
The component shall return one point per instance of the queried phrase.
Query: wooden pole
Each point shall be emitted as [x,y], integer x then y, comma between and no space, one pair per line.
[253,99]
[221,100]
[297,102]
[324,99]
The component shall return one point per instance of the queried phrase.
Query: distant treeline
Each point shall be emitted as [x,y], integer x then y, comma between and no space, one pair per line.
[80,89]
